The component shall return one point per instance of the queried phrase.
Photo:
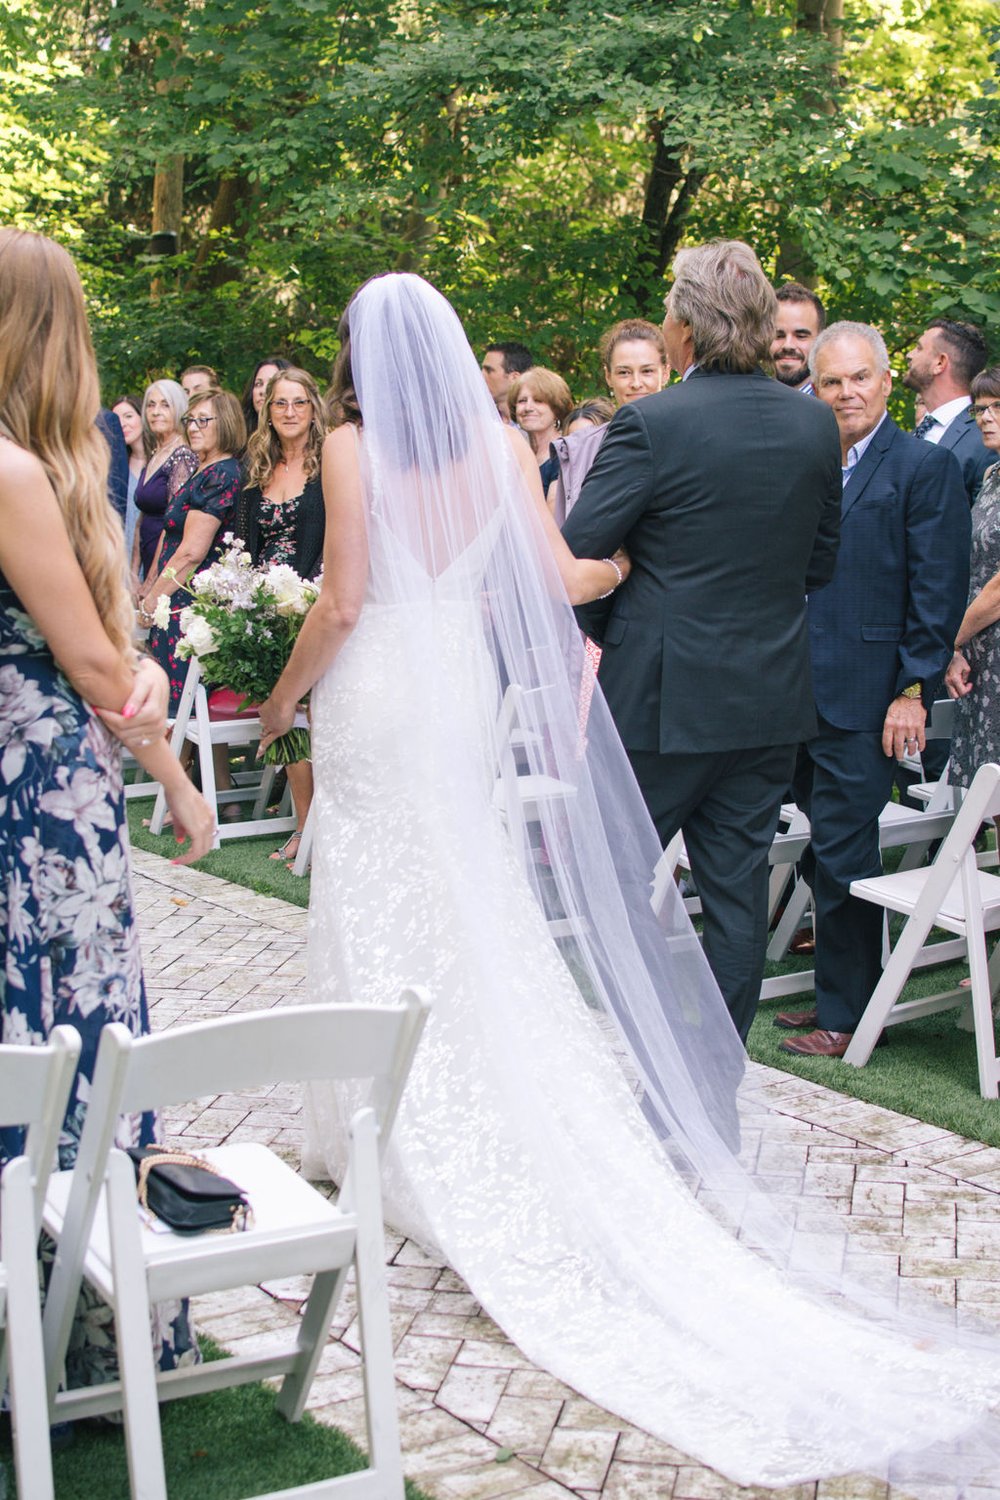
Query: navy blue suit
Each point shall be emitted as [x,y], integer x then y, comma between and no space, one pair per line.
[887,619]
[962,437]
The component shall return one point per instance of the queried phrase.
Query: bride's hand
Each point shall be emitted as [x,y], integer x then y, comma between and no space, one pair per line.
[276,718]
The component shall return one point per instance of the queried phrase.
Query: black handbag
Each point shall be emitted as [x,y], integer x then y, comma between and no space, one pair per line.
[187,1192]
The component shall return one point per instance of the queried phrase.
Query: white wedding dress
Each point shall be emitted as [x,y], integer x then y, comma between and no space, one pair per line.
[521,1151]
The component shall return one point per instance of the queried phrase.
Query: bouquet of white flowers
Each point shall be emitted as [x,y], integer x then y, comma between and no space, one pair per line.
[242,624]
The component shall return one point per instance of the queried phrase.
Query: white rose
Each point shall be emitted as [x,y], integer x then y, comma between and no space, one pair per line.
[161,614]
[285,587]
[200,637]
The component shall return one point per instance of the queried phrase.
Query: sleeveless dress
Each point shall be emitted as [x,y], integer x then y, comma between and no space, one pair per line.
[152,496]
[520,1150]
[69,941]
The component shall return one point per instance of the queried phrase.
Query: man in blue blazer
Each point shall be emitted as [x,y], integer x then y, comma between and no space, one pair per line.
[881,636]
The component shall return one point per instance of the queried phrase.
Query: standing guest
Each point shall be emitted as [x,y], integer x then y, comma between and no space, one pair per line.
[539,402]
[200,510]
[634,361]
[198,378]
[881,637]
[502,364]
[281,517]
[253,392]
[128,410]
[118,485]
[71,689]
[801,319]
[170,465]
[946,357]
[724,489]
[597,412]
[919,411]
[974,674]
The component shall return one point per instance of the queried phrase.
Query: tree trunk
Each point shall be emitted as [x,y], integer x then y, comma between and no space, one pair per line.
[228,214]
[168,206]
[669,192]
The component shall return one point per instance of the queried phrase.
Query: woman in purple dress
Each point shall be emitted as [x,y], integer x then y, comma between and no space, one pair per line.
[171,466]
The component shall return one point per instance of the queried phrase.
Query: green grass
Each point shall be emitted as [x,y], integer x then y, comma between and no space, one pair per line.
[926,1069]
[226,1445]
[243,861]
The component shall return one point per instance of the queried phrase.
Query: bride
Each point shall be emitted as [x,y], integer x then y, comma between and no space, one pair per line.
[574,1137]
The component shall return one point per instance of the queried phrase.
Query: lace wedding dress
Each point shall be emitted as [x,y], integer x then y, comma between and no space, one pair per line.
[551,1138]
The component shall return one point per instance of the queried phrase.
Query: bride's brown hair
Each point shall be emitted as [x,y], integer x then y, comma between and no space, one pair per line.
[49,401]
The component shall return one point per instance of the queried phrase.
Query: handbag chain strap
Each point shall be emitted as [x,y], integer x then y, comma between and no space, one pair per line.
[241,1216]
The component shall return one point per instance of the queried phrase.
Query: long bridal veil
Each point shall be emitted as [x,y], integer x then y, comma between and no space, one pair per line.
[581,1056]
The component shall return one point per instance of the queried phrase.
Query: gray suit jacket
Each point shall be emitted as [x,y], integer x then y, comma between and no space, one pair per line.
[961,437]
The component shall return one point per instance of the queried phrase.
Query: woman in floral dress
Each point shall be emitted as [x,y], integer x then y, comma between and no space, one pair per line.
[281,516]
[70,690]
[974,674]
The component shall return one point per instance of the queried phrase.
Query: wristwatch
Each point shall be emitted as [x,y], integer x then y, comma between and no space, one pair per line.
[915,690]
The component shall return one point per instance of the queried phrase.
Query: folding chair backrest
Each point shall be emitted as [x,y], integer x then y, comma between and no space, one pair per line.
[34,1088]
[980,803]
[941,720]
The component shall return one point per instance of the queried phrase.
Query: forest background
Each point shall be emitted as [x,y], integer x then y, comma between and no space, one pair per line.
[539,160]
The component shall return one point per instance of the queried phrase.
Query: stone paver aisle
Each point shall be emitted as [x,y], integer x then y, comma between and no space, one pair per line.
[478,1421]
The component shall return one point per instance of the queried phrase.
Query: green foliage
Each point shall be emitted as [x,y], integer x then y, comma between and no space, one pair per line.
[538,160]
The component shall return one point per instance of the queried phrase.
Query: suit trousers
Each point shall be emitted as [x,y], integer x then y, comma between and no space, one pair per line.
[727,802]
[842,782]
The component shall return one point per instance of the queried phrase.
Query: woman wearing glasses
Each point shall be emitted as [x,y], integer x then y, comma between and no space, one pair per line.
[974,674]
[280,514]
[195,519]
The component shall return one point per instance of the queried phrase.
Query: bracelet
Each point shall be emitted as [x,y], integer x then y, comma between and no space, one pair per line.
[621,577]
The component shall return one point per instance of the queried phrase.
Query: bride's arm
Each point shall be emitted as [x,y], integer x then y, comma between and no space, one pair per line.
[345,572]
[584,579]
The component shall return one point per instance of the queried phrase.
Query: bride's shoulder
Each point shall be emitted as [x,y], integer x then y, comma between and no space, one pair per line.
[342,439]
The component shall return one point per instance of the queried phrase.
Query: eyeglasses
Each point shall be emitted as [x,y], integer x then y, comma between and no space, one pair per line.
[299,404]
[200,422]
[990,408]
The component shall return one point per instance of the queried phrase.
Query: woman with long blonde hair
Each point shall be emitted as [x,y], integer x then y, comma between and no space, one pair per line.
[280,514]
[72,691]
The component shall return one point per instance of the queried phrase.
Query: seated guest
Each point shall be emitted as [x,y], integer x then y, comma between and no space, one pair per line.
[280,514]
[170,465]
[943,362]
[502,364]
[198,378]
[200,511]
[539,402]
[974,674]
[253,392]
[128,410]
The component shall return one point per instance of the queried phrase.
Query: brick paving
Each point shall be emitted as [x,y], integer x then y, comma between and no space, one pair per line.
[478,1421]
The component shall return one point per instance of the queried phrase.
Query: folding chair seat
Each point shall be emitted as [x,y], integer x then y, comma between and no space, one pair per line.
[954,894]
[134,1263]
[204,727]
[34,1089]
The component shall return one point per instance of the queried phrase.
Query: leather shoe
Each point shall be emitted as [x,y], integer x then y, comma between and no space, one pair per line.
[791,1020]
[818,1044]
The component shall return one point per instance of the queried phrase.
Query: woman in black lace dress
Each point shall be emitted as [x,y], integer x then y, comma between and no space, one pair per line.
[280,514]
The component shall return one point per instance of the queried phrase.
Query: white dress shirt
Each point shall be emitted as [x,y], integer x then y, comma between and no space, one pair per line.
[944,415]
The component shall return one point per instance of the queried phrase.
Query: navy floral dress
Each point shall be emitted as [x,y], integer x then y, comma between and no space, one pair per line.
[213,491]
[976,737]
[70,947]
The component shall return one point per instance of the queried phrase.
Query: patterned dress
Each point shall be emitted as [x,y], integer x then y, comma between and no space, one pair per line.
[68,939]
[213,491]
[976,737]
[278,521]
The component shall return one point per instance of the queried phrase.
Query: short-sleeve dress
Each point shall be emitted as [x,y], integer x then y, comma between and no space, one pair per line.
[976,736]
[153,495]
[213,491]
[69,947]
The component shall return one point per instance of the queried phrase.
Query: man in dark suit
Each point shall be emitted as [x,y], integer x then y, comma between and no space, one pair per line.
[725,491]
[946,358]
[881,637]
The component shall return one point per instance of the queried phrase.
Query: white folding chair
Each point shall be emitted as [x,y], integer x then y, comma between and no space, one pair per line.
[194,724]
[955,894]
[134,1263]
[34,1089]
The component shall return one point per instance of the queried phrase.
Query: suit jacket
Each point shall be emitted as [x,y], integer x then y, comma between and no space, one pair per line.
[725,490]
[897,598]
[962,438]
[109,424]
